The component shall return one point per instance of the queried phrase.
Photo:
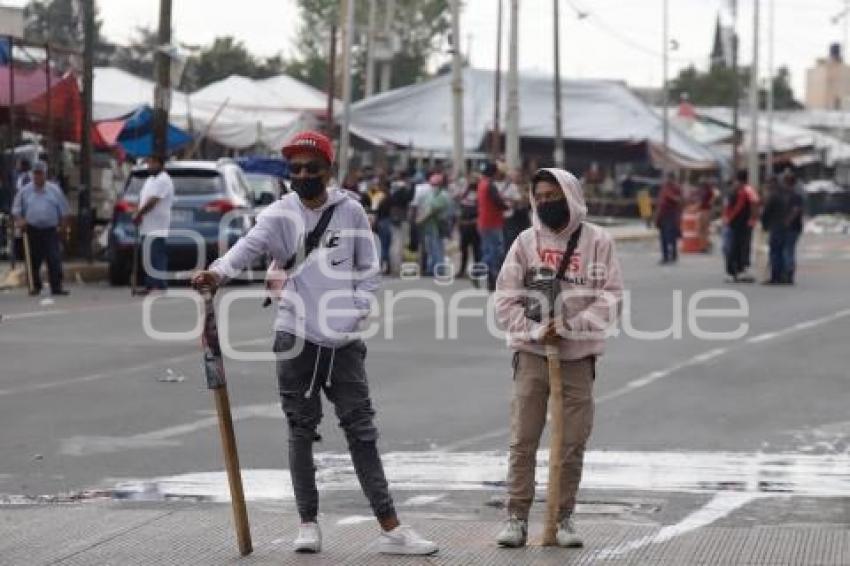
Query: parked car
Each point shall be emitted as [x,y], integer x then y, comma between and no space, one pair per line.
[264,189]
[205,191]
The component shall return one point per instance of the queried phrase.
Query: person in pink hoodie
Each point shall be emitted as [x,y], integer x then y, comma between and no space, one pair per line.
[588,304]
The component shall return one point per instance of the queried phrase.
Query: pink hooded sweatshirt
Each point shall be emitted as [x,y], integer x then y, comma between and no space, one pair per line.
[591,291]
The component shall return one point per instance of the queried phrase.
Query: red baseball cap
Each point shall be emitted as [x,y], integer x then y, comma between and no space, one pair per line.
[309,141]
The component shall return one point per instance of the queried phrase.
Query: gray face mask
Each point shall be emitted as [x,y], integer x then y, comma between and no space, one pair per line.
[554,214]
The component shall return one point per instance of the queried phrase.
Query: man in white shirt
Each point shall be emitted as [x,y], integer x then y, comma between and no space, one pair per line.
[153,219]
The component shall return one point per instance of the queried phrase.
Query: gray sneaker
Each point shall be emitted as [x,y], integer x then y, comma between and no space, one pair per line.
[309,538]
[514,533]
[404,540]
[567,535]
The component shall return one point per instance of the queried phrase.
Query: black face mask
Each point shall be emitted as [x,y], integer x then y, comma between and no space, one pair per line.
[308,188]
[554,214]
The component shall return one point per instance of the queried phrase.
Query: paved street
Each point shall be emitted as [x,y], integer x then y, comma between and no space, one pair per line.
[690,435]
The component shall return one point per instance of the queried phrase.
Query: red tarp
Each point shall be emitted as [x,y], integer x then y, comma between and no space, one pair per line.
[29,84]
[65,106]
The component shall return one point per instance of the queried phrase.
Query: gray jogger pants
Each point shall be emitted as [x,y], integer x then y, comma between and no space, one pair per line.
[341,374]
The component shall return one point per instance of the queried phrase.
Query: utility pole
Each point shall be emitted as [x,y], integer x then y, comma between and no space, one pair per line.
[770,92]
[331,86]
[512,152]
[84,213]
[736,91]
[495,135]
[387,67]
[348,33]
[370,50]
[754,103]
[458,158]
[162,96]
[559,142]
[665,50]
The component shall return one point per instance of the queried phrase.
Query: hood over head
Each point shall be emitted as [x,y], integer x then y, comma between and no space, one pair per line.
[575,200]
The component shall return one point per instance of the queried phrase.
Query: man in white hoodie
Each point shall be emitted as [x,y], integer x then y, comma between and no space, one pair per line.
[325,297]
[588,285]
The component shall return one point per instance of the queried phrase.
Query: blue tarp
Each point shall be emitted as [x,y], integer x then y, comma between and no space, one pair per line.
[5,51]
[137,136]
[268,165]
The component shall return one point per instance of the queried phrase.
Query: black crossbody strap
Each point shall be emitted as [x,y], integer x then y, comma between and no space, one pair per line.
[571,249]
[312,239]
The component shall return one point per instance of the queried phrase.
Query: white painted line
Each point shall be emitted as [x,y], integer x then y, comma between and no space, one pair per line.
[656,375]
[746,474]
[86,445]
[34,314]
[721,505]
[763,337]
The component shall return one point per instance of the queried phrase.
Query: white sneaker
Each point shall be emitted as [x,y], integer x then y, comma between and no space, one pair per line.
[567,535]
[514,533]
[309,538]
[404,540]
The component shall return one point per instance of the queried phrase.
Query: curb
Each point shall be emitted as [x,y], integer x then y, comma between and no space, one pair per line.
[77,272]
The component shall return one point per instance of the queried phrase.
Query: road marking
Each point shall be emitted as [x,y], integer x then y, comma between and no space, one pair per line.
[157,364]
[745,474]
[721,505]
[656,375]
[34,314]
[86,445]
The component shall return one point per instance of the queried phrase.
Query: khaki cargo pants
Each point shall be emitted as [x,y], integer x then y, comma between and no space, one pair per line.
[528,417]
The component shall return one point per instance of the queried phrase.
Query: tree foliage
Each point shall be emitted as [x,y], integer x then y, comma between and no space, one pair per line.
[59,23]
[717,87]
[420,26]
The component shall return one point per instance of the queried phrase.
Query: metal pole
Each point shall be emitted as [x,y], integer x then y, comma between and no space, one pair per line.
[736,91]
[754,102]
[85,216]
[458,160]
[770,92]
[331,86]
[495,135]
[665,50]
[348,32]
[48,130]
[162,98]
[512,151]
[370,50]
[12,144]
[559,143]
[387,66]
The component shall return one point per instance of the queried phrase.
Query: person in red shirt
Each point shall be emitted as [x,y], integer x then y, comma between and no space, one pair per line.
[491,222]
[739,217]
[667,218]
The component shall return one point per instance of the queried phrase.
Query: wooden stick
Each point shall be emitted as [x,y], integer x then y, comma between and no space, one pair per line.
[28,261]
[134,273]
[234,475]
[556,441]
[214,366]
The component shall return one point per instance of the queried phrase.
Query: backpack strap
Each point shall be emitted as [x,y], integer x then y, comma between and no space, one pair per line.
[568,254]
[313,238]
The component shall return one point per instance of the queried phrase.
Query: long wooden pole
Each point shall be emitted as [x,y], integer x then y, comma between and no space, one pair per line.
[214,366]
[556,443]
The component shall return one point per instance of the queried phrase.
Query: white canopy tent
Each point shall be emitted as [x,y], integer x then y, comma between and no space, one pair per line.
[420,116]
[786,136]
[236,112]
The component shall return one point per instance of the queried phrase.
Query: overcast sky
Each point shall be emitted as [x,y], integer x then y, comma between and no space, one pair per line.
[618,39]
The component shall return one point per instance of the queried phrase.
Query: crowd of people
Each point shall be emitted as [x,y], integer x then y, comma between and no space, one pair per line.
[416,213]
[780,213]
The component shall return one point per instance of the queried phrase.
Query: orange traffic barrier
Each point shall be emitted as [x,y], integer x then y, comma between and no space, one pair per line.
[693,240]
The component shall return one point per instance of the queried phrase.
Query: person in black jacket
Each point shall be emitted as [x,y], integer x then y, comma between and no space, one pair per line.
[783,219]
